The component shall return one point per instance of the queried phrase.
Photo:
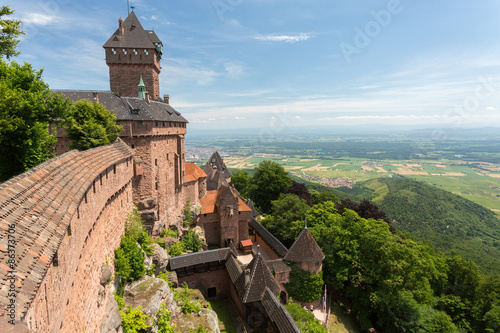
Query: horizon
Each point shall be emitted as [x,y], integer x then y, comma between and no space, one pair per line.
[275,64]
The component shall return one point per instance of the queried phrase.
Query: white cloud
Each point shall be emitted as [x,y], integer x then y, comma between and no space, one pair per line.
[284,38]
[39,19]
[491,108]
[233,69]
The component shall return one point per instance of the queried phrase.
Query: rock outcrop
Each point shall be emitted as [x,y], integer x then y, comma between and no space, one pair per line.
[149,293]
[160,258]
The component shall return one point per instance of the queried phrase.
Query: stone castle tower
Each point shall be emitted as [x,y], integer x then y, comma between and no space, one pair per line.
[132,52]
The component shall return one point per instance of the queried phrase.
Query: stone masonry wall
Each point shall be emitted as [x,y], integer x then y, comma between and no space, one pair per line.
[68,293]
[218,279]
[121,76]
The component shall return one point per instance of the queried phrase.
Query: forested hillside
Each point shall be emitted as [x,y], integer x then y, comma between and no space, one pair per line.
[445,220]
[389,281]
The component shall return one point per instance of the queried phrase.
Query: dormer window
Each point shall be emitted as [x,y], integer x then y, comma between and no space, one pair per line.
[146,52]
[124,51]
[113,51]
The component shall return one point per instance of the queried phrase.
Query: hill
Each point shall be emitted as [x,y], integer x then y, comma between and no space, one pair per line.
[443,219]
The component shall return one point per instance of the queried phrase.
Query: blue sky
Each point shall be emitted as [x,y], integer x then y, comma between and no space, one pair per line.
[294,63]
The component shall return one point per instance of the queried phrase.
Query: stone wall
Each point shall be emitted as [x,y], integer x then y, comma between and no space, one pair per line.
[88,195]
[266,248]
[218,279]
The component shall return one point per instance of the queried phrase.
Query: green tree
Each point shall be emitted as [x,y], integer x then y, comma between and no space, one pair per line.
[287,218]
[241,181]
[268,182]
[90,124]
[27,110]
[304,286]
[10,31]
[163,320]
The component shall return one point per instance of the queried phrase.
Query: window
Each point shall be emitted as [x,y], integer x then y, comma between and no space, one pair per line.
[156,162]
[124,51]
[135,51]
[114,169]
[139,124]
[113,51]
[146,52]
[68,231]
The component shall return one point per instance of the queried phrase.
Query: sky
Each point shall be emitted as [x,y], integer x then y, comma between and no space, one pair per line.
[274,64]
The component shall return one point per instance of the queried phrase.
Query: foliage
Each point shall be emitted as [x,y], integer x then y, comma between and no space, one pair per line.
[200,329]
[27,110]
[163,320]
[192,241]
[119,300]
[451,223]
[177,249]
[241,181]
[164,276]
[304,319]
[188,216]
[129,259]
[287,218]
[89,125]
[304,286]
[365,209]
[323,196]
[300,190]
[268,182]
[183,298]
[134,228]
[133,320]
[10,31]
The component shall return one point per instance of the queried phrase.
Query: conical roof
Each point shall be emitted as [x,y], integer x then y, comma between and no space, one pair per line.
[134,35]
[304,249]
[259,277]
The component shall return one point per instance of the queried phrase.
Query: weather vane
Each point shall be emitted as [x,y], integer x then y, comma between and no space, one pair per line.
[132,8]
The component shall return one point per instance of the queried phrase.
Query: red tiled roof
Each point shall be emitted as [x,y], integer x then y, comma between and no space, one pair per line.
[247,242]
[208,202]
[40,203]
[193,172]
[243,206]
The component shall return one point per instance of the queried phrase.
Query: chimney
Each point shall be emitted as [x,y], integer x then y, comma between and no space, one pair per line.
[148,100]
[95,97]
[121,29]
[166,98]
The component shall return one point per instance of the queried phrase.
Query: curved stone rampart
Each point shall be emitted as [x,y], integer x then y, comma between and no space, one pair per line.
[60,221]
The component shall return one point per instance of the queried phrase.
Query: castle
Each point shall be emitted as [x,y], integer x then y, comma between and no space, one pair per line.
[63,219]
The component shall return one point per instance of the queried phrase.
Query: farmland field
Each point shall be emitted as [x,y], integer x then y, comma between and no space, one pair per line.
[470,168]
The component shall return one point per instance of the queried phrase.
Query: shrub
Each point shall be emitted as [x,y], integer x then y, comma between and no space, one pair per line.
[177,249]
[192,241]
[133,320]
[163,320]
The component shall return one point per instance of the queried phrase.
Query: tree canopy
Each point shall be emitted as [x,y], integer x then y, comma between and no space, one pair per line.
[89,124]
[268,182]
[10,31]
[27,110]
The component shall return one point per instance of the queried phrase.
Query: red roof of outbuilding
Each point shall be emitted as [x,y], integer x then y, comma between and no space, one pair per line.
[193,172]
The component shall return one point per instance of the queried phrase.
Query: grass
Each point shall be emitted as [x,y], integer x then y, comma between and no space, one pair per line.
[341,322]
[226,324]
